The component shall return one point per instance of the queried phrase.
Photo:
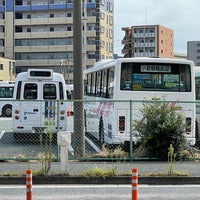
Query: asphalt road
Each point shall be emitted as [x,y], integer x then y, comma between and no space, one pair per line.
[28,146]
[101,192]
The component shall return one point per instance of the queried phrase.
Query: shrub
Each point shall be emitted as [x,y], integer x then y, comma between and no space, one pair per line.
[161,126]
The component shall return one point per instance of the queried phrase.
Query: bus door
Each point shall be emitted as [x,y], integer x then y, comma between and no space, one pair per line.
[49,106]
[31,110]
[53,91]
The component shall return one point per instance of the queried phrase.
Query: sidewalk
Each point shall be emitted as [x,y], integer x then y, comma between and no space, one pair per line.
[76,169]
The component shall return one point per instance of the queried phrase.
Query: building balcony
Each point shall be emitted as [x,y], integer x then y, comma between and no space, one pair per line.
[144,54]
[58,34]
[43,21]
[91,48]
[2,35]
[2,22]
[39,63]
[52,48]
[144,44]
[2,49]
[91,20]
[150,35]
[91,33]
[91,62]
[144,35]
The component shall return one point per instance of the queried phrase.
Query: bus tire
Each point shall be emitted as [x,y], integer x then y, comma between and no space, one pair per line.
[101,130]
[197,136]
[7,111]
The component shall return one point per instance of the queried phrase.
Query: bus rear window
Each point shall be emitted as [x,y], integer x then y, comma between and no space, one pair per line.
[155,77]
[49,91]
[30,91]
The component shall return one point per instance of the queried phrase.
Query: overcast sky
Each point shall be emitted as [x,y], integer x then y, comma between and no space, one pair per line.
[182,16]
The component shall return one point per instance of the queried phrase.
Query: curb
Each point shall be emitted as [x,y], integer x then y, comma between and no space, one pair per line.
[178,180]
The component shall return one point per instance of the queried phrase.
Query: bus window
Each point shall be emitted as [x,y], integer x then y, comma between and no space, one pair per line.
[110,82]
[93,82]
[49,91]
[61,91]
[18,90]
[6,91]
[98,84]
[30,91]
[104,86]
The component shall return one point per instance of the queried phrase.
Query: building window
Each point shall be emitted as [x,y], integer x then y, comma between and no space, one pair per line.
[28,29]
[29,16]
[51,29]
[69,14]
[51,15]
[1,66]
[69,28]
[51,1]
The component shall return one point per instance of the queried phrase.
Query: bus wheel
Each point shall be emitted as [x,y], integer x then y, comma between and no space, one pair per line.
[101,130]
[7,111]
[197,136]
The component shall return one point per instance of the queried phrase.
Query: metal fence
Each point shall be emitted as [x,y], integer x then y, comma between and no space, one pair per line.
[100,130]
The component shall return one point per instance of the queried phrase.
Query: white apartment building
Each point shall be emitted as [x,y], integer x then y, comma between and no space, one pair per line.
[39,33]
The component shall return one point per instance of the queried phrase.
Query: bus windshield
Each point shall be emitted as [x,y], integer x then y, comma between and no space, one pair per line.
[155,77]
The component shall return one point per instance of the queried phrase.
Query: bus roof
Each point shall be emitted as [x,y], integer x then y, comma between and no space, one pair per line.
[103,64]
[39,74]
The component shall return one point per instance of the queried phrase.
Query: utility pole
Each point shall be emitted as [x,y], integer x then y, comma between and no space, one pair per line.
[78,137]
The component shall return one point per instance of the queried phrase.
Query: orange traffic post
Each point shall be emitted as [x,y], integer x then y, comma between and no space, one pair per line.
[135,184]
[29,184]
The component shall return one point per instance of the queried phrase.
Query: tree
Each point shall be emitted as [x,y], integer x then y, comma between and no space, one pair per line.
[162,124]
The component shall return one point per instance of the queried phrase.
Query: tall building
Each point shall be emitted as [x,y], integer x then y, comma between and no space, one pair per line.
[148,41]
[193,52]
[39,33]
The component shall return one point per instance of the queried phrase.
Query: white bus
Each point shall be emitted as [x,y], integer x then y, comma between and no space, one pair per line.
[40,96]
[6,96]
[135,79]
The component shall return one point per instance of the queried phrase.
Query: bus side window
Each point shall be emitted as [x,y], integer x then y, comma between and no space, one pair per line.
[61,91]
